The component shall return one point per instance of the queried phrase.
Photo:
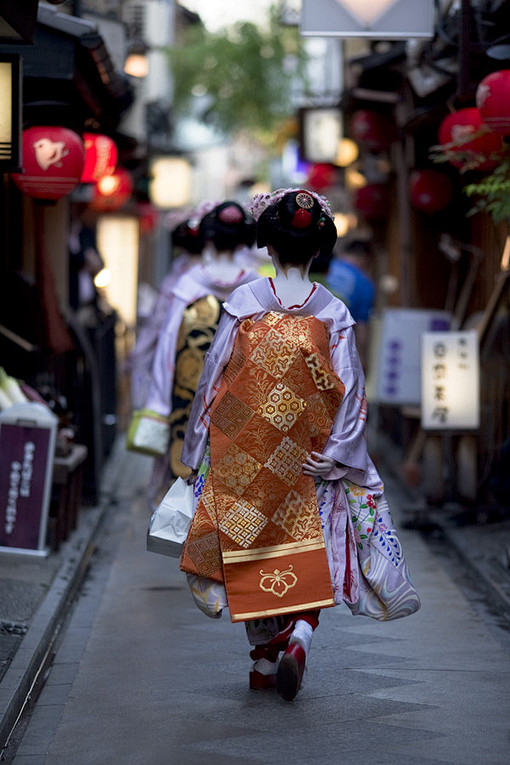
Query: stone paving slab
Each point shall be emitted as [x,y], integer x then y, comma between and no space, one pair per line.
[143,677]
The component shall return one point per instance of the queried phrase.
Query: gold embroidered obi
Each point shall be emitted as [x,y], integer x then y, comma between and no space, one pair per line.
[196,333]
[257,526]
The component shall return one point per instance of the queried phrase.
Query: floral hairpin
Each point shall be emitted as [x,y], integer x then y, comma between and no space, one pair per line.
[261,201]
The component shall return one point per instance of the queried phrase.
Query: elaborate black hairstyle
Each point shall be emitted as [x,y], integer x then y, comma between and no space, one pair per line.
[187,237]
[297,226]
[227,226]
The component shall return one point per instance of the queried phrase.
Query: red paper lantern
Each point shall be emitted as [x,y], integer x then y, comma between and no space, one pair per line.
[112,191]
[373,130]
[53,160]
[100,157]
[372,201]
[321,176]
[493,101]
[430,191]
[456,129]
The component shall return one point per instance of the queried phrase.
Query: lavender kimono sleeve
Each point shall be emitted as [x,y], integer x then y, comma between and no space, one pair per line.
[216,360]
[159,398]
[347,444]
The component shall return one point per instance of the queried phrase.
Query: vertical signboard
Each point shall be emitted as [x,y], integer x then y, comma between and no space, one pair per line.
[450,381]
[398,359]
[27,448]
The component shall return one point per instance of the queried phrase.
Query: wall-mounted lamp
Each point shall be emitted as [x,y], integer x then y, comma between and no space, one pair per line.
[118,238]
[170,184]
[376,19]
[10,113]
[348,152]
[137,60]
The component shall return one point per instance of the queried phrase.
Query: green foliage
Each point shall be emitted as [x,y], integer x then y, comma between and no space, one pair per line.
[245,74]
[492,193]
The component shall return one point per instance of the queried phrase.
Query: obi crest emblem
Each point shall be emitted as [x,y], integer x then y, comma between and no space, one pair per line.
[278,582]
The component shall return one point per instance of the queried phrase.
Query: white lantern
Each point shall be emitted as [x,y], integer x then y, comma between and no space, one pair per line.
[170,185]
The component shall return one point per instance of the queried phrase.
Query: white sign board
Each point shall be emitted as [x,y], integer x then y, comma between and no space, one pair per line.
[398,373]
[450,381]
[322,132]
[376,19]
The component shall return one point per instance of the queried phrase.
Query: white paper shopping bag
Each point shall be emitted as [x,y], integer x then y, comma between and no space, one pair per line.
[170,522]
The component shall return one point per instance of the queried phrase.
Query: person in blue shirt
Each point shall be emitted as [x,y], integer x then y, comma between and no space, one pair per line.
[348,279]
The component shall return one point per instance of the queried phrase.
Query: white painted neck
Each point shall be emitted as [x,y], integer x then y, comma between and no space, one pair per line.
[220,266]
[291,283]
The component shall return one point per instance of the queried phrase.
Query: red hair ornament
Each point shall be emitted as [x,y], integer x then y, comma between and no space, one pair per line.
[301,219]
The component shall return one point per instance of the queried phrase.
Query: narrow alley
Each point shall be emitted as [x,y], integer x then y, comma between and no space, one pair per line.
[141,676]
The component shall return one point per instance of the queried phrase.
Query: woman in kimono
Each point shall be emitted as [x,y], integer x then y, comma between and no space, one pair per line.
[290,513]
[190,324]
[186,239]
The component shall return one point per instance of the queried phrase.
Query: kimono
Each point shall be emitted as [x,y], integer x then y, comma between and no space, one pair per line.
[279,382]
[193,313]
[141,358]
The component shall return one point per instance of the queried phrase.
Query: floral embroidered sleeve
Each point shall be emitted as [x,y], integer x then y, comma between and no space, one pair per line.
[346,444]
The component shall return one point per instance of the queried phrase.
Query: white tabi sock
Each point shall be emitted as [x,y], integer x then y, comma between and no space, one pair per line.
[302,634]
[265,667]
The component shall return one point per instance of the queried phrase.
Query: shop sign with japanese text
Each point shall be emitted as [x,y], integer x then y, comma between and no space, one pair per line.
[27,445]
[450,381]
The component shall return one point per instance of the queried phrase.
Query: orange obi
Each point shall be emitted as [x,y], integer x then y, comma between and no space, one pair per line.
[257,526]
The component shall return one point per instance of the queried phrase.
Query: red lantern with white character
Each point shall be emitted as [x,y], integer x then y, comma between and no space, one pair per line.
[112,191]
[373,130]
[493,101]
[100,157]
[372,201]
[469,140]
[53,159]
[430,191]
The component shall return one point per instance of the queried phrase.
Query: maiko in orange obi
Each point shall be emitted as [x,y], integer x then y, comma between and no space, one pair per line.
[257,526]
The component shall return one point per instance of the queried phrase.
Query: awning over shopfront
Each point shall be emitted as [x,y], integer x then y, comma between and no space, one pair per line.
[17,21]
[68,75]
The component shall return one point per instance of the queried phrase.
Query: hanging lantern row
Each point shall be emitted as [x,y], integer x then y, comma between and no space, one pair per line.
[371,201]
[56,160]
[372,130]
[493,101]
[100,157]
[112,192]
[53,160]
[487,123]
[455,133]
[430,191]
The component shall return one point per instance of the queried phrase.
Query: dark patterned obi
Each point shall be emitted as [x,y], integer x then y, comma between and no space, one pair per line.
[198,327]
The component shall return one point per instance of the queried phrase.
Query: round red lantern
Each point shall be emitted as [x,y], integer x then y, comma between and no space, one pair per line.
[457,128]
[112,191]
[373,130]
[430,191]
[493,101]
[321,176]
[53,160]
[372,201]
[100,157]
